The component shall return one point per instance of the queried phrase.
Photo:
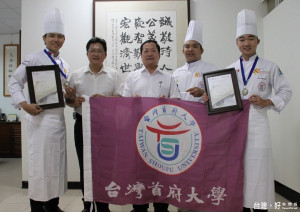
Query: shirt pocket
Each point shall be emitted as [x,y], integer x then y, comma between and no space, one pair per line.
[163,91]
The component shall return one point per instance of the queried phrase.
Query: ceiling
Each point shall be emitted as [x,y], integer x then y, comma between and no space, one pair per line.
[10,16]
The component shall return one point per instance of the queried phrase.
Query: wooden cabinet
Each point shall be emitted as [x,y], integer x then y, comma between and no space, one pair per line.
[10,139]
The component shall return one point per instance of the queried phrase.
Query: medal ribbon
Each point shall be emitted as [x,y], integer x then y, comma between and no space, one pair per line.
[251,71]
[54,62]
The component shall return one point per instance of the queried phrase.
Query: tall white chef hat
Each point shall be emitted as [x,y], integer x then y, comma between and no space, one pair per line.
[246,23]
[53,22]
[194,32]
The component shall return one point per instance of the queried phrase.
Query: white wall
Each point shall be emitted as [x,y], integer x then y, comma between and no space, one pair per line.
[5,102]
[282,46]
[219,27]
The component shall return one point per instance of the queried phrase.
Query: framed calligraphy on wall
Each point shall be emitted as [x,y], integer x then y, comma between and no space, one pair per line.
[10,63]
[125,25]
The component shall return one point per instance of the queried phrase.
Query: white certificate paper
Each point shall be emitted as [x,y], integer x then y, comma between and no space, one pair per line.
[221,91]
[45,90]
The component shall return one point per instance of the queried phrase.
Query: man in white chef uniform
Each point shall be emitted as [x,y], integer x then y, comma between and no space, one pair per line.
[46,128]
[189,77]
[256,78]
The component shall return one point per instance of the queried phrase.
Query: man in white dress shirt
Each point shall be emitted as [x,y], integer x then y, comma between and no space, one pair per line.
[149,81]
[92,80]
[257,77]
[189,77]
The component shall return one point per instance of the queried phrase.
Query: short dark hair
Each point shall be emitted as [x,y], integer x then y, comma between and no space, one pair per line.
[96,40]
[150,41]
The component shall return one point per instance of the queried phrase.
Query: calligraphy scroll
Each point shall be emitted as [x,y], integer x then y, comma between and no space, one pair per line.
[125,25]
[10,64]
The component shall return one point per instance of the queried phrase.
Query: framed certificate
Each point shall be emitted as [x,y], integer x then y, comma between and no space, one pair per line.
[10,64]
[44,86]
[223,91]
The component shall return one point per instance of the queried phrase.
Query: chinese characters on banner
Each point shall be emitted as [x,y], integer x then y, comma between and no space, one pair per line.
[11,64]
[145,150]
[127,31]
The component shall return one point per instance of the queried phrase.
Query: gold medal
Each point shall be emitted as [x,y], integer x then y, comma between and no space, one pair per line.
[245,91]
[66,83]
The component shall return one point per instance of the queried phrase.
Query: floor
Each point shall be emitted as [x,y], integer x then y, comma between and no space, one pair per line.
[14,199]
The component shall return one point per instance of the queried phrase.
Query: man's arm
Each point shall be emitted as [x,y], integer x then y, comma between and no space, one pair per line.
[32,109]
[70,96]
[257,100]
[75,102]
[195,91]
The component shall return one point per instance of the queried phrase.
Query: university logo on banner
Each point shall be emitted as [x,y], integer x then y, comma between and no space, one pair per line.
[168,139]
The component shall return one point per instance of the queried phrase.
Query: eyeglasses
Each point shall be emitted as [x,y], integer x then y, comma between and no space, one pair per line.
[93,51]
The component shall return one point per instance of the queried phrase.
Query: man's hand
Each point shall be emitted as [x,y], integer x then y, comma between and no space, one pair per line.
[32,109]
[205,98]
[78,101]
[70,92]
[195,91]
[257,100]
[98,95]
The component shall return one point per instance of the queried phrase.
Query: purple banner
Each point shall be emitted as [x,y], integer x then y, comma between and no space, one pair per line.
[147,150]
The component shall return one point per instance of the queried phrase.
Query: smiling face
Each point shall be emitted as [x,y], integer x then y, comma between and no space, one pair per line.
[192,51]
[54,41]
[96,54]
[150,55]
[247,45]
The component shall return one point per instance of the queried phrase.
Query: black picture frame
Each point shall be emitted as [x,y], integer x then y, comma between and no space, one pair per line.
[47,79]
[223,90]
